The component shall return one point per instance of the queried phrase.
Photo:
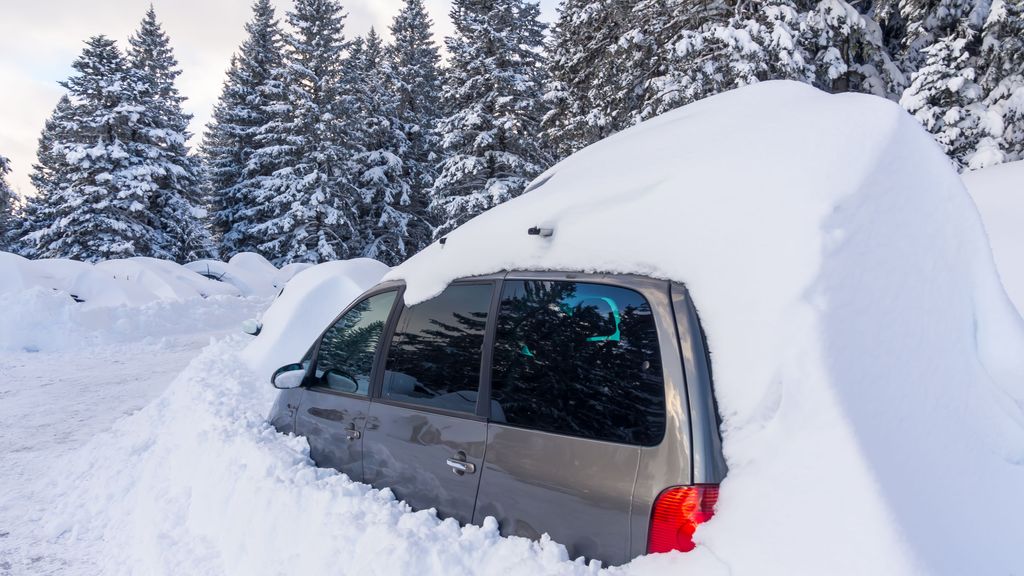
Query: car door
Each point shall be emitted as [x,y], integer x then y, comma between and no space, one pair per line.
[424,438]
[576,390]
[334,407]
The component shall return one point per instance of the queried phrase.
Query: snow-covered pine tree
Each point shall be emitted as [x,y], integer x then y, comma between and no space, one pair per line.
[585,94]
[311,202]
[946,98]
[96,203]
[493,86]
[388,228]
[1001,66]
[760,41]
[416,73]
[847,52]
[928,21]
[178,197]
[245,106]
[8,201]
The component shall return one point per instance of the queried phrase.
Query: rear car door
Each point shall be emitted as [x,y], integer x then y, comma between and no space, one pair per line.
[576,390]
[333,410]
[425,438]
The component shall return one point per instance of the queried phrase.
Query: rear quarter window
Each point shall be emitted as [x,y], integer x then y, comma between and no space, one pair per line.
[578,359]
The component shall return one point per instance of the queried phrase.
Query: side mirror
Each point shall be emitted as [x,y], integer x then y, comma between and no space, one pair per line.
[252,327]
[288,376]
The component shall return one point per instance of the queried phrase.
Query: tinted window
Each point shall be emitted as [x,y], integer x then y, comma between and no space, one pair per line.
[345,359]
[578,359]
[434,358]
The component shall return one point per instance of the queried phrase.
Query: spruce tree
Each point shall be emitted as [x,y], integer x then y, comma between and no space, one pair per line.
[96,202]
[493,86]
[945,97]
[1001,64]
[8,204]
[416,77]
[178,196]
[245,106]
[389,229]
[312,205]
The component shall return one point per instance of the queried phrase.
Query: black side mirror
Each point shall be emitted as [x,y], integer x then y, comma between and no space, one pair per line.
[288,376]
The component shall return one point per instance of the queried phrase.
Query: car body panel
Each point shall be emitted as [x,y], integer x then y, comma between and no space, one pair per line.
[333,425]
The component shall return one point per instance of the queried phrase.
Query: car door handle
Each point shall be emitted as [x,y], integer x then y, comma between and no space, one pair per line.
[353,434]
[461,467]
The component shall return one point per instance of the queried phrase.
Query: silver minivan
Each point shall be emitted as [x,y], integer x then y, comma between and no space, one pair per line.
[577,405]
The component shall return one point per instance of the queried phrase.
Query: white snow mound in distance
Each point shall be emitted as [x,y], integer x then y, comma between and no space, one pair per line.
[868,364]
[313,299]
[999,193]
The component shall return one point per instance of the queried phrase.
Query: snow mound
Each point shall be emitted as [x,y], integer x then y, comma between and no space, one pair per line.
[250,273]
[313,299]
[999,193]
[52,304]
[868,364]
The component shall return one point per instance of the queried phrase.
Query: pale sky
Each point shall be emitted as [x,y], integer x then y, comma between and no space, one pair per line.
[39,39]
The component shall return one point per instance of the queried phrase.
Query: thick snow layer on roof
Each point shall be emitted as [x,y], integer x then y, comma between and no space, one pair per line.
[312,300]
[999,193]
[868,364]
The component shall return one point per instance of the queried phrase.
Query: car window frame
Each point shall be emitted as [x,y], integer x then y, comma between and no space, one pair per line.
[314,385]
[481,412]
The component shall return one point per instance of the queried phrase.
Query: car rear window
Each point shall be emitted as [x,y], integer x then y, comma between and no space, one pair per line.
[578,359]
[434,358]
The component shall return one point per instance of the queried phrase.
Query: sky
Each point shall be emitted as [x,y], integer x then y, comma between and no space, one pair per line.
[39,39]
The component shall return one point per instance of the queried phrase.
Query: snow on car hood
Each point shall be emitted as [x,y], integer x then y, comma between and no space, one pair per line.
[868,364]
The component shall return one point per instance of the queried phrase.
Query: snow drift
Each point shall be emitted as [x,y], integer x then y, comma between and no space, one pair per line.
[867,361]
[999,193]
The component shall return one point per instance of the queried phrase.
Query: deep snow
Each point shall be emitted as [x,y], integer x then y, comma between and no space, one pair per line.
[867,360]
[999,193]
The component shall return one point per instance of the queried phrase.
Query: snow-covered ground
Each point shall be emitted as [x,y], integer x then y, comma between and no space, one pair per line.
[869,368]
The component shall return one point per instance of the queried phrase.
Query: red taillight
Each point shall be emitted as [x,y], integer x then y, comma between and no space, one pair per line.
[677,513]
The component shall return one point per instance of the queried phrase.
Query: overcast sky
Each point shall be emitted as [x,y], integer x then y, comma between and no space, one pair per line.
[39,39]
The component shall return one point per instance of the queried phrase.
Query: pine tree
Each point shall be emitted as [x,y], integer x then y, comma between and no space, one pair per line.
[494,85]
[847,51]
[587,92]
[97,201]
[945,97]
[8,201]
[177,175]
[244,108]
[416,76]
[388,228]
[928,21]
[1001,63]
[310,198]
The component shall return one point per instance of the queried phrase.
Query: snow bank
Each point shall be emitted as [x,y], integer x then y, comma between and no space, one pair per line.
[999,193]
[50,304]
[869,366]
[313,299]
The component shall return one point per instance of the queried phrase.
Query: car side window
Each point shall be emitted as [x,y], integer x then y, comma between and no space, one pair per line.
[345,359]
[578,359]
[434,357]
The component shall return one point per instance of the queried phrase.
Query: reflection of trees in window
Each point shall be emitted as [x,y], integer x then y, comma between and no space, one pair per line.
[439,342]
[557,368]
[349,346]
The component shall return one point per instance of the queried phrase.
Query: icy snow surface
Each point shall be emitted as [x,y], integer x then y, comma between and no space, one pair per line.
[999,193]
[867,360]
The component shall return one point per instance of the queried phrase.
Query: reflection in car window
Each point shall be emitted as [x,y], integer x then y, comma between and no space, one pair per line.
[345,359]
[578,359]
[434,359]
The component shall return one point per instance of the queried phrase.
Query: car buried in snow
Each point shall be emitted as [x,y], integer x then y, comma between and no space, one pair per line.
[576,405]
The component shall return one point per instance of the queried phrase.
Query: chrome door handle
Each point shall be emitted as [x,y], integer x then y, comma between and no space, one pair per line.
[353,434]
[461,467]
